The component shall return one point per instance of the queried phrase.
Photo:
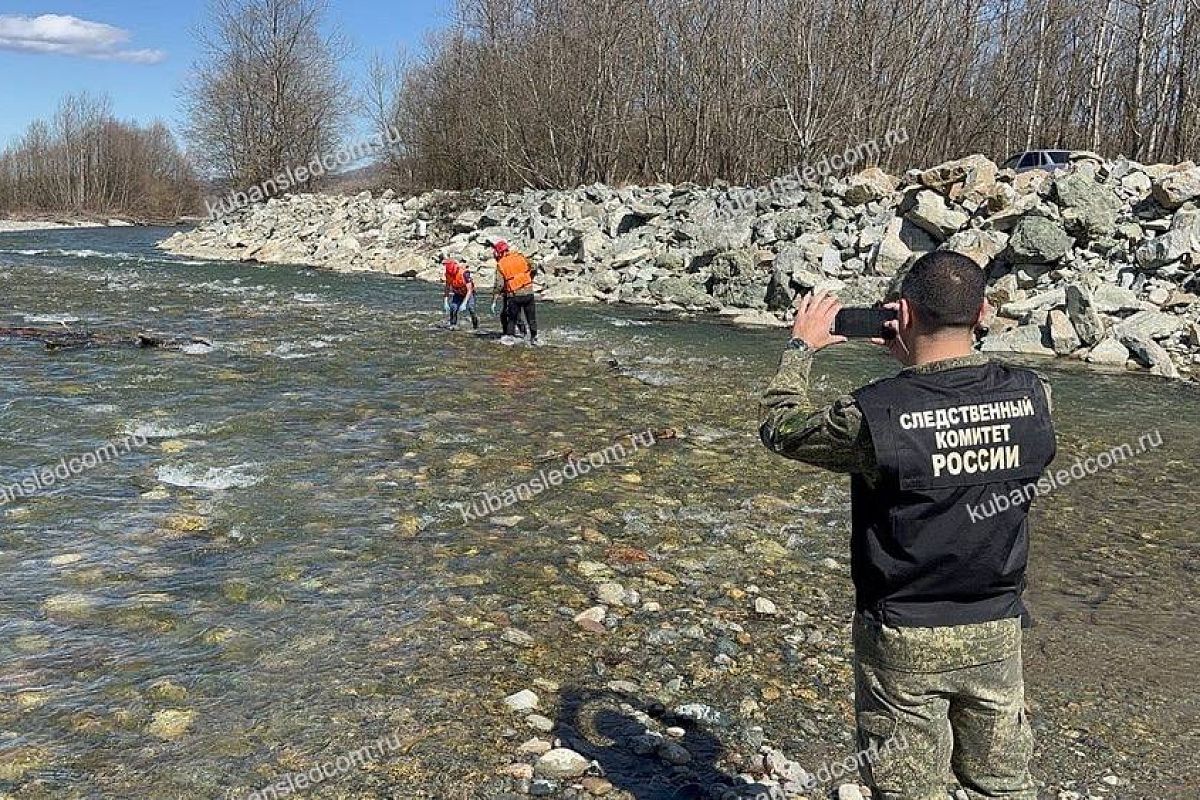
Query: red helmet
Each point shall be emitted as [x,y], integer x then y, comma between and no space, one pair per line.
[500,248]
[451,266]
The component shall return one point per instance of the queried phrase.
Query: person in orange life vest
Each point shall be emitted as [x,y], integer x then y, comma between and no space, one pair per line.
[514,281]
[459,293]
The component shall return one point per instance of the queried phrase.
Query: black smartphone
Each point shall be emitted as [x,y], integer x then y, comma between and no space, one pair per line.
[863,323]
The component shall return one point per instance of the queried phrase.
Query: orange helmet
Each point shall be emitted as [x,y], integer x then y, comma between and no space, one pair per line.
[452,266]
[500,248]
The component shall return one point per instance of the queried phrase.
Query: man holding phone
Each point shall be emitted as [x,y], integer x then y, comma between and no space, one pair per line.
[938,619]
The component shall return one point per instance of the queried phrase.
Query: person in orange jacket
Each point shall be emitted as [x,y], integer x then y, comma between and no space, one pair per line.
[514,282]
[459,293]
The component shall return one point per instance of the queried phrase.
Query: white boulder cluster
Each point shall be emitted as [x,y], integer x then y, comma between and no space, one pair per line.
[1098,261]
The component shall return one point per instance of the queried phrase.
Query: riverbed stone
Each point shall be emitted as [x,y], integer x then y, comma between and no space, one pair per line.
[522,701]
[171,723]
[560,763]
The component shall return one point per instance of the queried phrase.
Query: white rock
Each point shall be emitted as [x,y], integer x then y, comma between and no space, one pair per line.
[521,701]
[560,763]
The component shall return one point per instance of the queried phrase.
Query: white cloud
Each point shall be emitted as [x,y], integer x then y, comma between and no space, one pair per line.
[66,35]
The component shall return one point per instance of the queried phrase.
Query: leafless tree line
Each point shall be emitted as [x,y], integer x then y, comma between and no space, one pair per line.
[564,92]
[84,160]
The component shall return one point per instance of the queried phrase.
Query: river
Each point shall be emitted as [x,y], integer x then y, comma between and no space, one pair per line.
[272,571]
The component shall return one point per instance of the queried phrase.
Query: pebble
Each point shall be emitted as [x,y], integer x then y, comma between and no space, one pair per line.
[534,747]
[521,701]
[517,637]
[674,753]
[597,787]
[765,607]
[170,723]
[185,523]
[611,594]
[699,712]
[518,771]
[560,763]
[592,619]
[70,604]
[166,691]
[542,788]
[849,791]
[540,723]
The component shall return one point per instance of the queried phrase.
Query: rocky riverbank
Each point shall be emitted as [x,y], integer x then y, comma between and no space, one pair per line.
[1096,262]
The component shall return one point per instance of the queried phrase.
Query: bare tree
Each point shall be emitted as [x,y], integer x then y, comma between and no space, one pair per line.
[267,93]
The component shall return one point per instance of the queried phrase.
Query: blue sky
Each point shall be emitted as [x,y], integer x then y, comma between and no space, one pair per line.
[139,51]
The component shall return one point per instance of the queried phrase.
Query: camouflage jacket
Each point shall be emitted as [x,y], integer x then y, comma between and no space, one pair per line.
[833,437]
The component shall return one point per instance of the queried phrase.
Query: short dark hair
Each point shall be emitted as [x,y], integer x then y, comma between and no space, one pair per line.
[947,289]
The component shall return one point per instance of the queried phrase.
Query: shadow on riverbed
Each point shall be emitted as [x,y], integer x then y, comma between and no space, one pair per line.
[603,725]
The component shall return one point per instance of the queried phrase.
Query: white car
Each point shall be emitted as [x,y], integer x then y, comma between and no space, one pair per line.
[1048,160]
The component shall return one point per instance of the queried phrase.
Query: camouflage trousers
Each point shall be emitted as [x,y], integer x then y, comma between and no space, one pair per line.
[955,697]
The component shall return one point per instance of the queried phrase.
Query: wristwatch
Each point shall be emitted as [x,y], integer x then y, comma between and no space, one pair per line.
[799,344]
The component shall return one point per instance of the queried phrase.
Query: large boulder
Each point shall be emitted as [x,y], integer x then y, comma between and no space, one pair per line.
[717,236]
[1150,353]
[1111,299]
[891,254]
[1150,324]
[928,210]
[971,177]
[1081,309]
[1038,240]
[1178,187]
[1063,337]
[1025,339]
[867,186]
[979,245]
[682,292]
[1038,302]
[1089,208]
[1180,243]
[1108,352]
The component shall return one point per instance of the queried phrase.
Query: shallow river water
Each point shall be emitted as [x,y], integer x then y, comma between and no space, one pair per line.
[273,572]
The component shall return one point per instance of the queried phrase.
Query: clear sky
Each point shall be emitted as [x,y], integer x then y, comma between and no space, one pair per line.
[139,51]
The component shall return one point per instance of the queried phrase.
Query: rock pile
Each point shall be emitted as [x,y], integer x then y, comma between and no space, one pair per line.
[1097,261]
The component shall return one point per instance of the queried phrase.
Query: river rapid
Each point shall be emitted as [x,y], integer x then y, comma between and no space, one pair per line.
[273,571]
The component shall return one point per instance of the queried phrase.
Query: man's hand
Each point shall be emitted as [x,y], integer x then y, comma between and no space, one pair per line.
[893,342]
[815,314]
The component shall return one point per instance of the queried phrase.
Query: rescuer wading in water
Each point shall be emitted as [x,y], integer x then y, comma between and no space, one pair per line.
[938,619]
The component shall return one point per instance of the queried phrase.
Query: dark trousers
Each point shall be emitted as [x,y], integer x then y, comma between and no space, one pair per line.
[459,302]
[504,317]
[516,306]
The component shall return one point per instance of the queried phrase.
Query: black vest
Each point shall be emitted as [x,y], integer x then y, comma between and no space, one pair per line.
[925,551]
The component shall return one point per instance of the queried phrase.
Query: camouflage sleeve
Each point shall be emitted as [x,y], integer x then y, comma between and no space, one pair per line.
[833,438]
